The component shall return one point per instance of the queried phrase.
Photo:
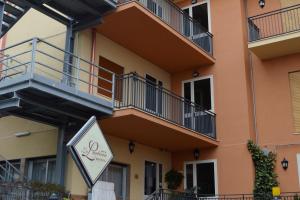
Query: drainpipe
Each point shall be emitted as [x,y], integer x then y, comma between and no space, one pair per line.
[93,57]
[252,79]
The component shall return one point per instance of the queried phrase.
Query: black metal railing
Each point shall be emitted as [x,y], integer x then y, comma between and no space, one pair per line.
[21,191]
[278,22]
[136,92]
[162,194]
[173,16]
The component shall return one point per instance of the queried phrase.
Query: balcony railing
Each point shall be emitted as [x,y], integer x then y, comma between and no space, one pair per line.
[133,91]
[173,16]
[162,194]
[278,22]
[36,57]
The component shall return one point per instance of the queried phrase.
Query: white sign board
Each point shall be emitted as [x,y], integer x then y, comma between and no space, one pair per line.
[90,151]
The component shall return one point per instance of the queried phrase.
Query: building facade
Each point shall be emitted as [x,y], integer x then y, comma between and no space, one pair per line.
[180,78]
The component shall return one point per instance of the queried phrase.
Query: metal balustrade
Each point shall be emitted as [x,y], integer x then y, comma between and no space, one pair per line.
[36,57]
[278,22]
[162,194]
[136,92]
[180,21]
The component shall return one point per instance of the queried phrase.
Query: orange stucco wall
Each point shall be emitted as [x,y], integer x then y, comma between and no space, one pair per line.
[274,110]
[233,100]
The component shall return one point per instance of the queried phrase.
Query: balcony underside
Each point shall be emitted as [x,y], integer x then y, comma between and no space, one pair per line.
[44,100]
[276,46]
[135,125]
[137,29]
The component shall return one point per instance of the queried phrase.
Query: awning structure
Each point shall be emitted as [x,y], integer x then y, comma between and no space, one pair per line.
[78,13]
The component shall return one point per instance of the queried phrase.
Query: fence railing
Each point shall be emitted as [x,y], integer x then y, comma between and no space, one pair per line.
[135,91]
[173,16]
[38,57]
[278,22]
[162,194]
[22,192]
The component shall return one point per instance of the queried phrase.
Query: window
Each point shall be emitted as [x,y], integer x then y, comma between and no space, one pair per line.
[117,174]
[298,164]
[295,95]
[202,176]
[104,85]
[153,177]
[41,170]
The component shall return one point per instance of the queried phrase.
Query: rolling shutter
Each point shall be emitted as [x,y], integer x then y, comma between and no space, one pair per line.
[295,94]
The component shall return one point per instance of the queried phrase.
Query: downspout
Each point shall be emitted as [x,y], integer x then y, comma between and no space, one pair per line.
[252,80]
[93,57]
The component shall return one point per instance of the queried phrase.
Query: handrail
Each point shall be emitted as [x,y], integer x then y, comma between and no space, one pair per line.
[274,23]
[50,61]
[135,91]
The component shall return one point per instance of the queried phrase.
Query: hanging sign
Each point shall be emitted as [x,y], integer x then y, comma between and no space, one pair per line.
[90,151]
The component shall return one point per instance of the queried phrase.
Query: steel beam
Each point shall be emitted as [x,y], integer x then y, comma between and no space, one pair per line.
[2,6]
[69,47]
[61,156]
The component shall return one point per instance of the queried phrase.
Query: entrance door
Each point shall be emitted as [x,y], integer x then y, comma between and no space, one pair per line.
[153,178]
[199,92]
[201,178]
[117,174]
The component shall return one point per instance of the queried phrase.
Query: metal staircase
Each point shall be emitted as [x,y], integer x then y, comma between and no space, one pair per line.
[9,172]
[13,10]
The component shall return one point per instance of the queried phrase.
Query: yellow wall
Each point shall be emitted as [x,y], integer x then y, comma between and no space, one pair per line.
[36,24]
[286,3]
[75,184]
[41,142]
[120,55]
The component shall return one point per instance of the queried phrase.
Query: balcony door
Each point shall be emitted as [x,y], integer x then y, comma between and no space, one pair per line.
[153,178]
[154,95]
[118,175]
[199,101]
[197,29]
[201,177]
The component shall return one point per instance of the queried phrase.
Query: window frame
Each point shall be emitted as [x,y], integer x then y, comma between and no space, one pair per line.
[30,163]
[190,7]
[158,164]
[194,163]
[211,77]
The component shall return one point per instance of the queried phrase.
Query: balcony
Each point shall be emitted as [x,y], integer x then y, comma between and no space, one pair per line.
[43,82]
[160,32]
[276,33]
[149,114]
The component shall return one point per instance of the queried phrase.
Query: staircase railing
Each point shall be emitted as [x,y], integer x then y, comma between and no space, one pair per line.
[9,173]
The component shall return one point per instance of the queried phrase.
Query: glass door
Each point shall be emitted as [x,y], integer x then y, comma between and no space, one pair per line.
[200,178]
[154,95]
[153,178]
[117,174]
[199,102]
